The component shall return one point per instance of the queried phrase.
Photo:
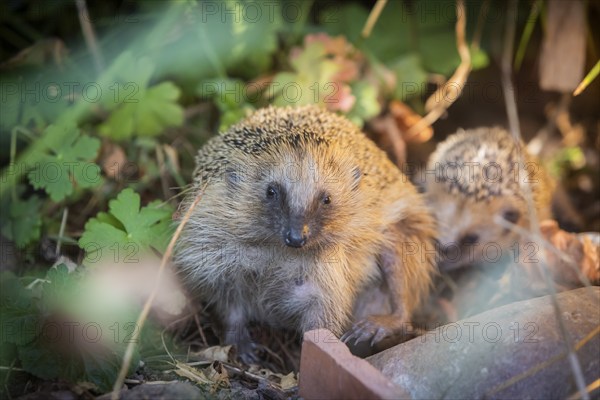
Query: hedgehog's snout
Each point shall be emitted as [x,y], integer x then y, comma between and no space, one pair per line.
[297,235]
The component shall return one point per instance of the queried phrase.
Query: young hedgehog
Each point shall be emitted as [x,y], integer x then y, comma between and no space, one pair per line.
[301,217]
[477,177]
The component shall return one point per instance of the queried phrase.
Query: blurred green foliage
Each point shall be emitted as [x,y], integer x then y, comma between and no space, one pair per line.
[63,111]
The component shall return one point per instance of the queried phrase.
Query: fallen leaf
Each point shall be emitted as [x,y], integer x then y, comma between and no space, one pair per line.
[406,118]
[191,373]
[281,381]
[113,160]
[216,353]
[577,249]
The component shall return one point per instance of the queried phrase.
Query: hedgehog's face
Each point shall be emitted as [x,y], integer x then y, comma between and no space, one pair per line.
[468,233]
[303,199]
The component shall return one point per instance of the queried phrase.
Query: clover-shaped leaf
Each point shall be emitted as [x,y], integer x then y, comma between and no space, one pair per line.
[64,162]
[127,229]
[136,108]
[155,110]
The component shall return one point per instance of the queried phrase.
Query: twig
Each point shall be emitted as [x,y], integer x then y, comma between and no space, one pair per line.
[513,120]
[144,314]
[590,388]
[483,11]
[162,170]
[541,366]
[373,17]
[13,153]
[61,231]
[89,35]
[3,368]
[200,330]
[445,96]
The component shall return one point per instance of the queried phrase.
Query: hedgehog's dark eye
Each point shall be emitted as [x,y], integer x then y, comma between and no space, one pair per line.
[271,192]
[469,239]
[511,216]
[326,199]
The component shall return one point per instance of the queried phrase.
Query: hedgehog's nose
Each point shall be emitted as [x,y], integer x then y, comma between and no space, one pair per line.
[297,237]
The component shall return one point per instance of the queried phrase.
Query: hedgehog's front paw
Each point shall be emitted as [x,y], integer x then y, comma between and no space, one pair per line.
[246,349]
[248,352]
[375,328]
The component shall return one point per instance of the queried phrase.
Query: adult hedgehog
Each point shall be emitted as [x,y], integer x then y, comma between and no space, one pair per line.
[302,216]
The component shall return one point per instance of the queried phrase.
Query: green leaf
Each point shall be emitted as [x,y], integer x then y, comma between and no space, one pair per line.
[312,82]
[156,109]
[138,109]
[64,161]
[479,59]
[422,28]
[50,358]
[411,78]
[61,345]
[60,285]
[239,45]
[127,229]
[230,96]
[367,106]
[22,223]
[19,317]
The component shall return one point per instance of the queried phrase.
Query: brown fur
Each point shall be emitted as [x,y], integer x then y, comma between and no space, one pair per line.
[232,251]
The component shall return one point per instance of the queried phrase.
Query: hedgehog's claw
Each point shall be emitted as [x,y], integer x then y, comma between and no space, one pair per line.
[374,329]
[248,352]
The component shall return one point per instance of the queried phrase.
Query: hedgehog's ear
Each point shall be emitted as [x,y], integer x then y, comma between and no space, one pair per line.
[356,175]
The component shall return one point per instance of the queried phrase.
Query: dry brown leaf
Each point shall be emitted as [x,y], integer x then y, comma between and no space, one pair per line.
[406,118]
[288,381]
[191,373]
[113,160]
[590,265]
[217,353]
[579,248]
[172,157]
[217,374]
[284,382]
[214,375]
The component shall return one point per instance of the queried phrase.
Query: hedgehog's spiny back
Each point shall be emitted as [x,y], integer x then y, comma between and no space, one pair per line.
[271,129]
[491,151]
[471,162]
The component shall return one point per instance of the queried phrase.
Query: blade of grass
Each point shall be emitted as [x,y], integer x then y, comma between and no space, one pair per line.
[481,19]
[527,31]
[89,35]
[588,79]
[513,120]
[590,388]
[128,356]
